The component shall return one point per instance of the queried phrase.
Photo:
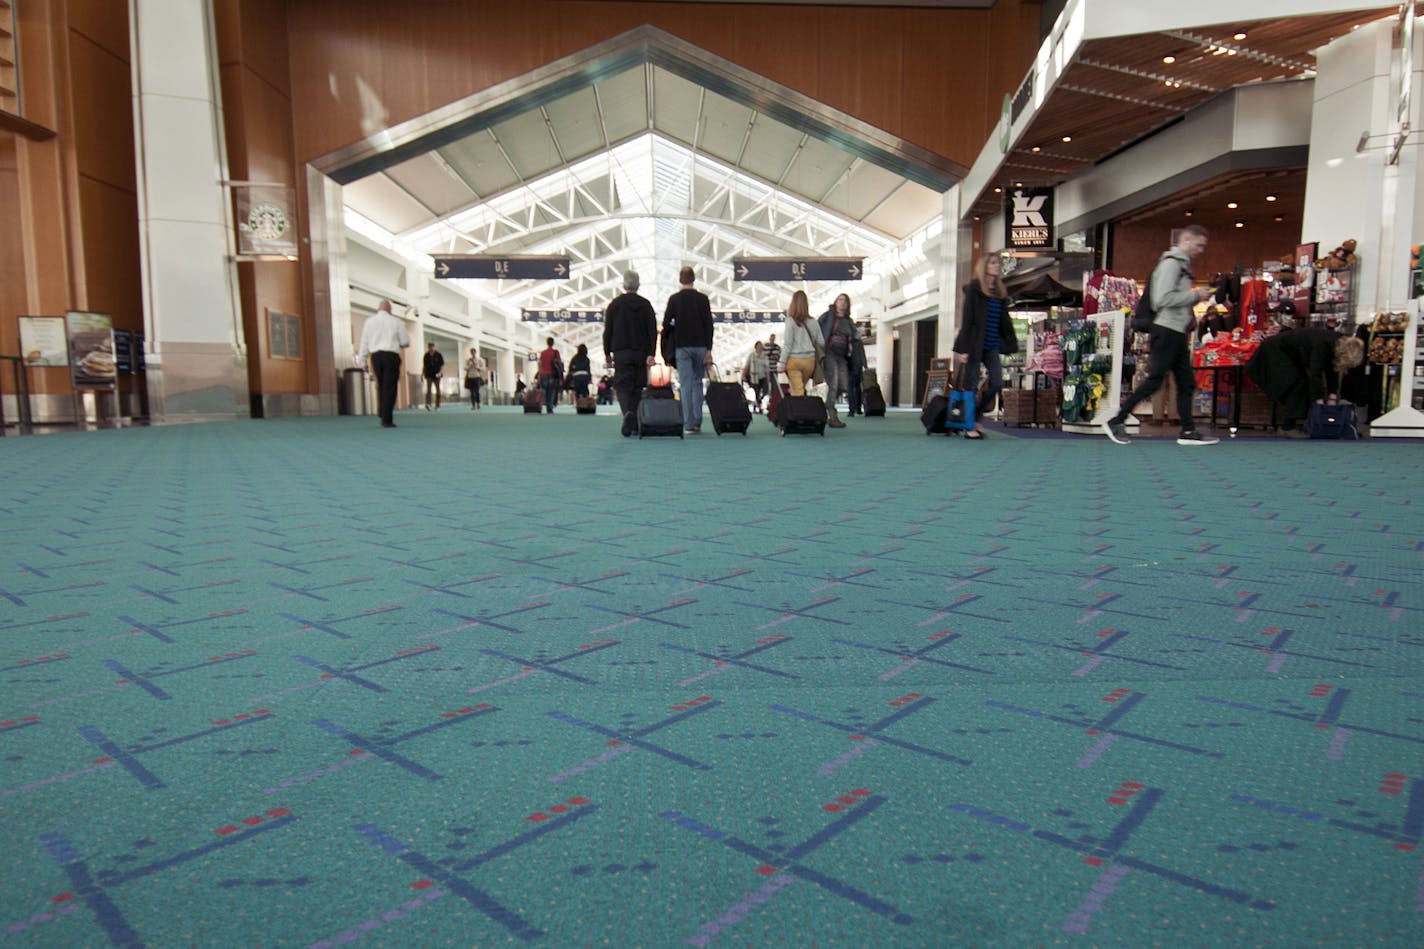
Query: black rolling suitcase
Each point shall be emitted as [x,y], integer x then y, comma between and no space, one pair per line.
[533,401]
[659,414]
[873,400]
[727,404]
[801,415]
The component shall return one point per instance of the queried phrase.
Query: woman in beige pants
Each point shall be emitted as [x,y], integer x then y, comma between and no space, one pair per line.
[801,344]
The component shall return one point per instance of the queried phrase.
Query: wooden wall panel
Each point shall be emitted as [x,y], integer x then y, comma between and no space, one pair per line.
[437,52]
[258,117]
[111,256]
[264,43]
[1136,247]
[104,22]
[763,36]
[858,57]
[234,117]
[268,135]
[103,113]
[12,250]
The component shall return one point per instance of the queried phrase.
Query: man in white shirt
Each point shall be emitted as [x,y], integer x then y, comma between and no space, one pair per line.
[382,339]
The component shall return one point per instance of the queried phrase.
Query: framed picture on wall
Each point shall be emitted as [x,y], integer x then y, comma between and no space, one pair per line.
[1303,293]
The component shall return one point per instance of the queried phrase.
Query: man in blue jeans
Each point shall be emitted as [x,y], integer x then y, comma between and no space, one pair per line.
[687,343]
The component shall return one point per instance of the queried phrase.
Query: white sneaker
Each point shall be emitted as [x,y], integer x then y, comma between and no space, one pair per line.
[1196,438]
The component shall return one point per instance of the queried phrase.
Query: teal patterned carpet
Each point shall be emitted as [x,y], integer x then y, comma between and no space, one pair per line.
[487,680]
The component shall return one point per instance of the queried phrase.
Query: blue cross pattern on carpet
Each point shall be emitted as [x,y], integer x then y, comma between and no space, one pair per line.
[494,680]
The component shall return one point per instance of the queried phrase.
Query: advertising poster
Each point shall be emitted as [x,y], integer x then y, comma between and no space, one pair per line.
[42,341]
[91,350]
[1304,290]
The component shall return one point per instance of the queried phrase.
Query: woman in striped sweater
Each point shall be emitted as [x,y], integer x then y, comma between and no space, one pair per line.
[985,333]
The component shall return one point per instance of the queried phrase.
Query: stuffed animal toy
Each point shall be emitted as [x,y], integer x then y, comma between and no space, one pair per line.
[1341,258]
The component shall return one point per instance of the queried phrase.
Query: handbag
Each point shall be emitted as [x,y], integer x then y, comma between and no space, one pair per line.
[1334,421]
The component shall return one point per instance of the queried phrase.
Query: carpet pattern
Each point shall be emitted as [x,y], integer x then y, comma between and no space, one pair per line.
[490,679]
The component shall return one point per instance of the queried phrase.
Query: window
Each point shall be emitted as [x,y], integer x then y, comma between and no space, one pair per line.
[284,335]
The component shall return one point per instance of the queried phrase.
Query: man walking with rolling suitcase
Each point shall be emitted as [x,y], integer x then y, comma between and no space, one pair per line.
[630,338]
[687,333]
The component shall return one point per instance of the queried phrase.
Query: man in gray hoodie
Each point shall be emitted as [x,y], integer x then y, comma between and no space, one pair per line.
[1171,349]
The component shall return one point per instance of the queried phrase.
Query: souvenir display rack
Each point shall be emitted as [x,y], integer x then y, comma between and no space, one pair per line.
[1395,349]
[1335,295]
[1092,380]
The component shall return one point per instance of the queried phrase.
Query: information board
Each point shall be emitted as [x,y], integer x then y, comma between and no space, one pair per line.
[42,341]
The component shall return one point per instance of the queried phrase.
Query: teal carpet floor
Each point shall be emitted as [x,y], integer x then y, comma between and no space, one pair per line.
[487,680]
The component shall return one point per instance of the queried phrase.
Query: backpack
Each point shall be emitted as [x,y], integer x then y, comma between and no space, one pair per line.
[1144,314]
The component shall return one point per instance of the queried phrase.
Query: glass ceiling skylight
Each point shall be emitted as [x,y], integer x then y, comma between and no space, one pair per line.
[652,205]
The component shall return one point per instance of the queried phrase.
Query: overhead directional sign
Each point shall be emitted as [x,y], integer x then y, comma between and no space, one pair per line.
[798,268]
[484,267]
[596,316]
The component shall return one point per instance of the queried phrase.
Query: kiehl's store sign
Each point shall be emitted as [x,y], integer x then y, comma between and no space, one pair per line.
[1027,212]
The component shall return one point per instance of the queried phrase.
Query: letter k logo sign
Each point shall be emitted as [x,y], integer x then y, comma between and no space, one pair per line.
[1027,211]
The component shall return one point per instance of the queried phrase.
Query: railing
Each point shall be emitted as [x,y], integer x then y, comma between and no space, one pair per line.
[20,376]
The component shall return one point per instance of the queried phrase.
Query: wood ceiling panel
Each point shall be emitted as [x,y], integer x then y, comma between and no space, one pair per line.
[1118,90]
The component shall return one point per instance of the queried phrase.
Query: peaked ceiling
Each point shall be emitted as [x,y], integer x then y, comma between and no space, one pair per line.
[644,152]
[643,169]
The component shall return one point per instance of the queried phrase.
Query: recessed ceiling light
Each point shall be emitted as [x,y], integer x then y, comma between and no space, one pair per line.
[1189,212]
[1240,223]
[1239,37]
[1270,197]
[1035,149]
[1231,205]
[1278,219]
[1169,60]
[998,190]
[1067,138]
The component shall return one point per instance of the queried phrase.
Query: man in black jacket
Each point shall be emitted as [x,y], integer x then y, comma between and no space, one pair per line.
[431,369]
[630,337]
[687,333]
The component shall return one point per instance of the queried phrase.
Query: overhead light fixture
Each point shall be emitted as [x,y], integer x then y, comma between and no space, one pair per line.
[1240,223]
[1189,212]
[1067,138]
[998,190]
[1231,205]
[1270,197]
[1169,60]
[1035,149]
[1239,37]
[1278,219]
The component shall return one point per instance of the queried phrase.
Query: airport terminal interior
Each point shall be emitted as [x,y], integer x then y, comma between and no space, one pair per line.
[278,675]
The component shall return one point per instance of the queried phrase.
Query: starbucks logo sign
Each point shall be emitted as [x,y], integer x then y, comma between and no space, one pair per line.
[267,221]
